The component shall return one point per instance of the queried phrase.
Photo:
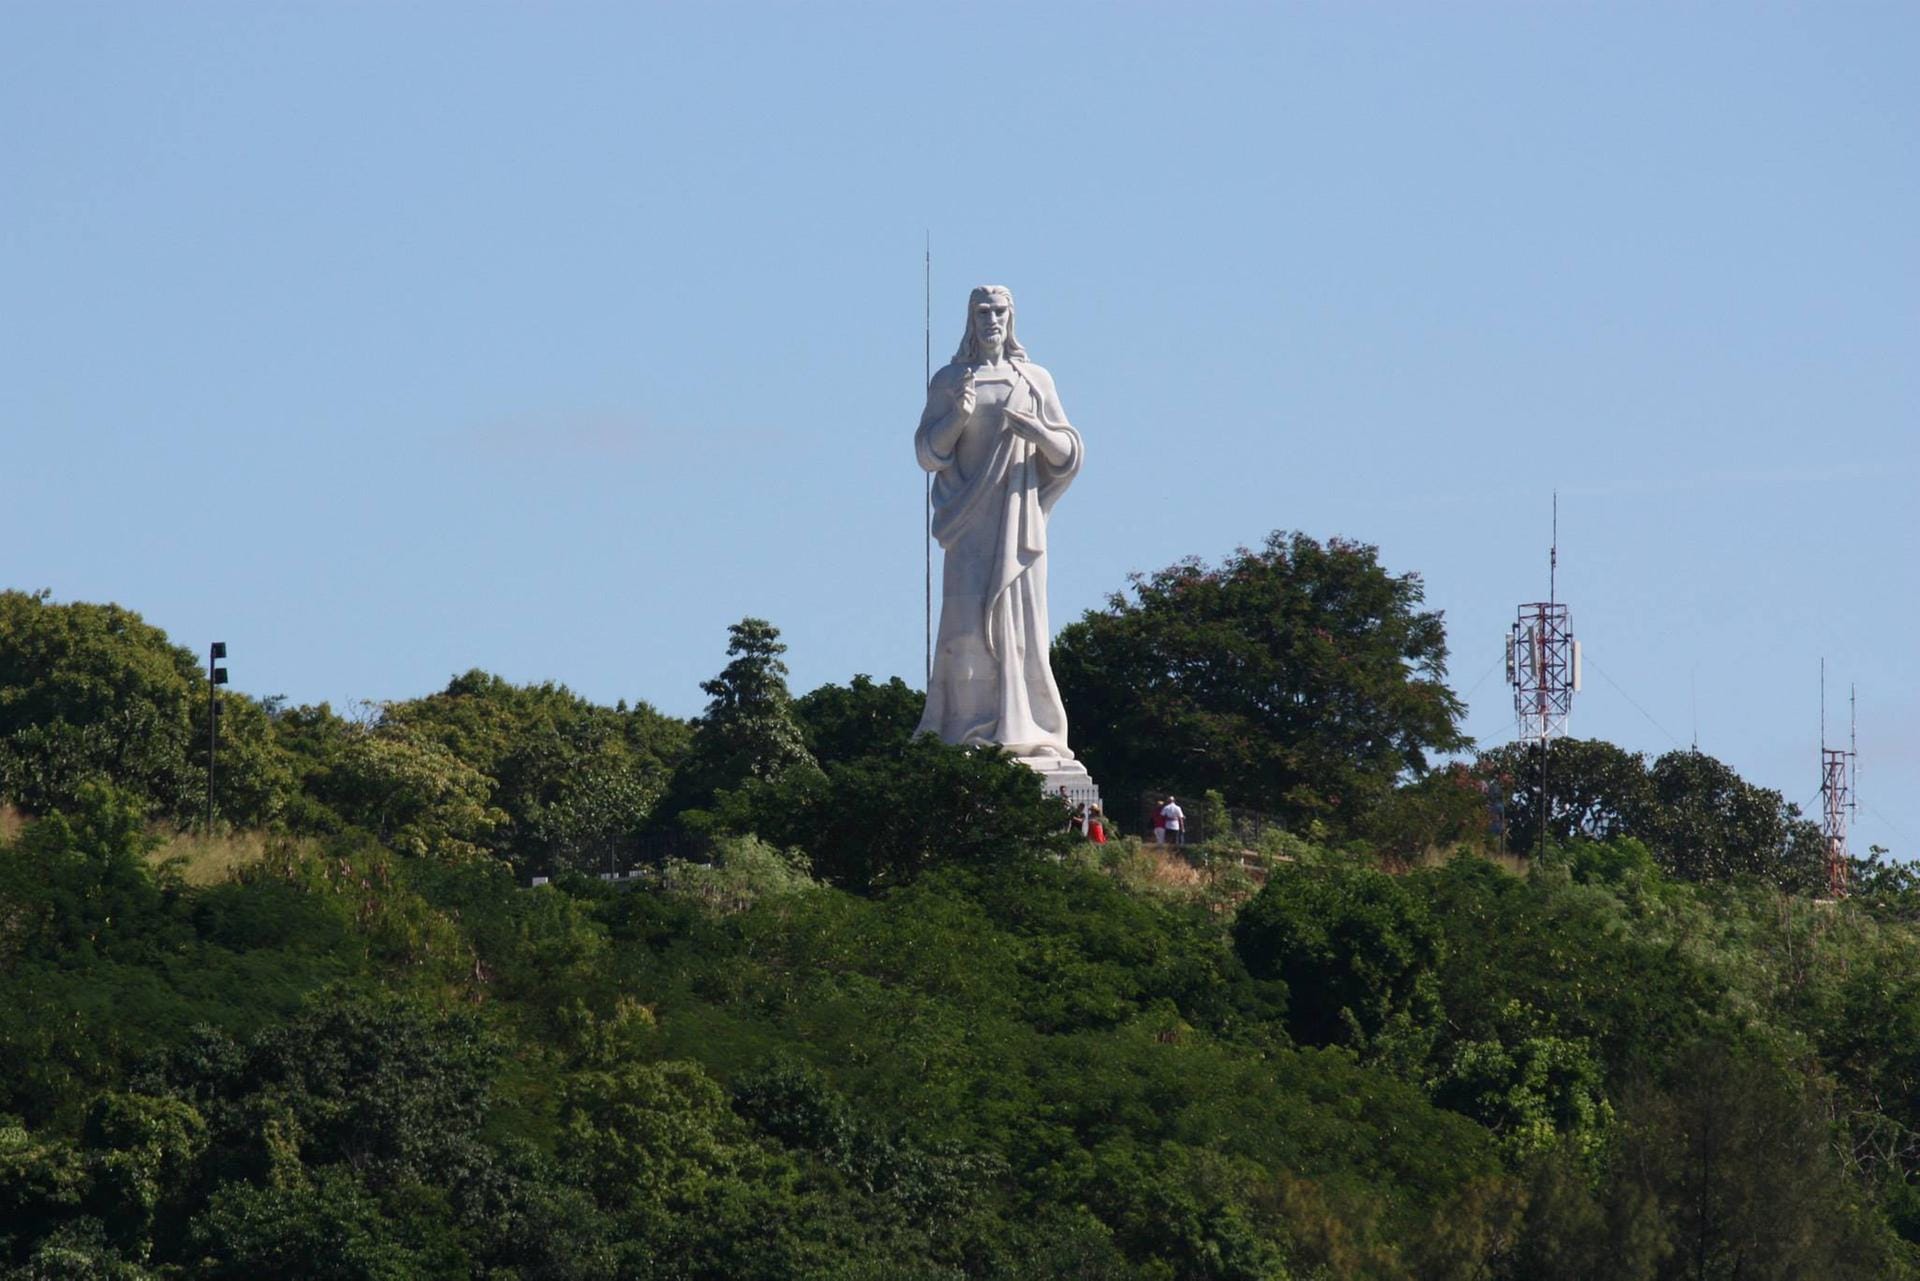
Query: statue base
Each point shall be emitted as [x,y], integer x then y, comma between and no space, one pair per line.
[1062,777]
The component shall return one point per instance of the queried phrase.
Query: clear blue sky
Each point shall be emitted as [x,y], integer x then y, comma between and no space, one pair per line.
[383,341]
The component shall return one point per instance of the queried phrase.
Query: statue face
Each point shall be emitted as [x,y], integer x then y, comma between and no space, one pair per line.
[991,316]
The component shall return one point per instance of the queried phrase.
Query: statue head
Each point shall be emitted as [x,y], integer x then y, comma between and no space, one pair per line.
[989,313]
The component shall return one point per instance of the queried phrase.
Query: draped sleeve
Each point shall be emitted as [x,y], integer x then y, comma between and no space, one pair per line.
[1016,483]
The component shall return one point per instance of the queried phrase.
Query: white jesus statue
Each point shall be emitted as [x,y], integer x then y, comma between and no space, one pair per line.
[1001,452]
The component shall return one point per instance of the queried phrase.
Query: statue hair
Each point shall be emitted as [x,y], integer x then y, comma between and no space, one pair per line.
[969,349]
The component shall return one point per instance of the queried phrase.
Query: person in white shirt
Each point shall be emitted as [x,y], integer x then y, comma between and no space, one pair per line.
[1176,822]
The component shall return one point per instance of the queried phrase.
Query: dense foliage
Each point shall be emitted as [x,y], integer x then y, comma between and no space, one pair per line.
[90,693]
[1700,819]
[882,819]
[377,1065]
[749,731]
[1301,679]
[892,1021]
[860,718]
[574,781]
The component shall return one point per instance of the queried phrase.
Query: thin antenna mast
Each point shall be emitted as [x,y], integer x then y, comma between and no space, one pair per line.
[926,360]
[1553,553]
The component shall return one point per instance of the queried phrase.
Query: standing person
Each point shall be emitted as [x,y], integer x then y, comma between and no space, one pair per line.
[1176,821]
[1159,823]
[1096,826]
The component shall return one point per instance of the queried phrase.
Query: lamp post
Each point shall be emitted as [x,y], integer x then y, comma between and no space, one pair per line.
[216,677]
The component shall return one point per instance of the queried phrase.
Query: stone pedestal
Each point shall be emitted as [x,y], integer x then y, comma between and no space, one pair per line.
[1059,776]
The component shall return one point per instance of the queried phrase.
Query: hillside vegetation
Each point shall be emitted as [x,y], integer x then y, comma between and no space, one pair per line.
[870,1011]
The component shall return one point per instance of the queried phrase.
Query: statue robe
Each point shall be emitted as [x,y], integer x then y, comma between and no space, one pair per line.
[992,681]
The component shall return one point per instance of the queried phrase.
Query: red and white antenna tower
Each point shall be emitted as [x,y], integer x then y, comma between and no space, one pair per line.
[1543,666]
[1543,658]
[1838,771]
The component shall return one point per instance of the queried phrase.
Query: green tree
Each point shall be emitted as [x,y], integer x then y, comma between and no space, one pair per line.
[1891,889]
[1708,823]
[78,886]
[882,820]
[1594,790]
[382,1083]
[1542,956]
[1535,1094]
[524,1218]
[860,718]
[1300,678]
[575,781]
[1189,1207]
[742,871]
[78,1251]
[328,1228]
[1575,1226]
[43,1184]
[144,1152]
[92,693]
[749,730]
[1357,952]
[652,1141]
[312,738]
[1702,821]
[1739,1155]
[1869,1034]
[1444,810]
[411,791]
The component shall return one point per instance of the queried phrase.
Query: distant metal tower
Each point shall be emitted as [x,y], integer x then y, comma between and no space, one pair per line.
[1543,666]
[1837,793]
[1543,658]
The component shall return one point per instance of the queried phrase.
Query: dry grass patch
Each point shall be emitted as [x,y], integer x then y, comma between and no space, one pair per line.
[1172,869]
[12,823]
[203,859]
[1170,872]
[1439,856]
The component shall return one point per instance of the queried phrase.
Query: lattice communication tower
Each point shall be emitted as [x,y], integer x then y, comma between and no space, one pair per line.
[1838,768]
[1543,666]
[1543,658]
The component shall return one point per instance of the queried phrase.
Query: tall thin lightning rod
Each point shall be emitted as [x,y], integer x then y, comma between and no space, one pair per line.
[1823,708]
[926,360]
[1853,754]
[1553,552]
